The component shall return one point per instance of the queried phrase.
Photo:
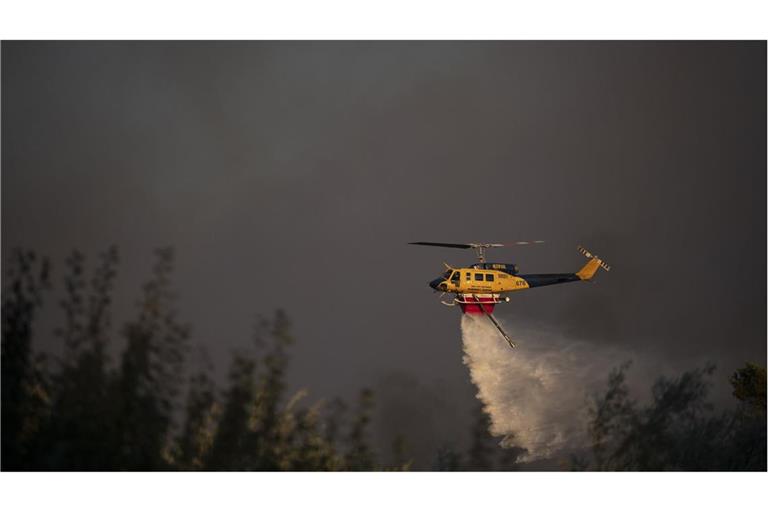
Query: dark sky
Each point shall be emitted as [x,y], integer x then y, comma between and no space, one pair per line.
[293,173]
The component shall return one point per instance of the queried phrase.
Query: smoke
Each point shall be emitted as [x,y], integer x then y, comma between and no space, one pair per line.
[537,394]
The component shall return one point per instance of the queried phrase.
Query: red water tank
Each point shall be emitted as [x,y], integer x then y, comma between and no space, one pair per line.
[470,306]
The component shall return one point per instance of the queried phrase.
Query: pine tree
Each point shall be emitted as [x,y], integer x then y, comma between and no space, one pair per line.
[482,449]
[24,389]
[78,434]
[360,456]
[150,374]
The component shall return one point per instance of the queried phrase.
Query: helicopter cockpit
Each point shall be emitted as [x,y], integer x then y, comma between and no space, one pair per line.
[454,276]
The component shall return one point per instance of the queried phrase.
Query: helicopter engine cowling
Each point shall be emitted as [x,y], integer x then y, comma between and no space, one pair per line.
[509,268]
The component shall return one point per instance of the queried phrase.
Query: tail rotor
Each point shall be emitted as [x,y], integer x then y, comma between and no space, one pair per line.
[589,270]
[589,255]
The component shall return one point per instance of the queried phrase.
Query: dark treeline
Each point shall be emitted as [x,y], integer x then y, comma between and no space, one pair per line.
[82,411]
[678,429]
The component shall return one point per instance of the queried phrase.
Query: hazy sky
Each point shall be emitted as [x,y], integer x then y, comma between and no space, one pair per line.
[293,174]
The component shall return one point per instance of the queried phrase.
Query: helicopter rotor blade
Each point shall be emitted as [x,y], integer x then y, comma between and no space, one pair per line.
[526,242]
[438,244]
[475,245]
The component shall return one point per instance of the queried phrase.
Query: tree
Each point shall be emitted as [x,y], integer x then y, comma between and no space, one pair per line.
[447,459]
[487,453]
[150,375]
[749,387]
[229,445]
[201,415]
[78,432]
[360,457]
[86,413]
[483,446]
[677,430]
[259,429]
[24,390]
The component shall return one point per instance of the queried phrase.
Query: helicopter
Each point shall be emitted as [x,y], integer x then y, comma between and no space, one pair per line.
[479,287]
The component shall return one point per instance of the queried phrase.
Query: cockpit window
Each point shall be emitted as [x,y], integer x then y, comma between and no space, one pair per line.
[456,276]
[447,274]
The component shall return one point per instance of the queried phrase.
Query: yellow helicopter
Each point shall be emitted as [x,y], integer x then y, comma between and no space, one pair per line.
[479,287]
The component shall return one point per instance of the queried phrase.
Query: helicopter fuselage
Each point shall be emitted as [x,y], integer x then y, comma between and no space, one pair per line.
[479,287]
[469,280]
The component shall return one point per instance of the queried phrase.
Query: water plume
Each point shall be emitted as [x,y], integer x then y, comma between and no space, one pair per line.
[536,395]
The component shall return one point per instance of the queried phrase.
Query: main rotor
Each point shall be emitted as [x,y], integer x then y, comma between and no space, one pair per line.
[479,247]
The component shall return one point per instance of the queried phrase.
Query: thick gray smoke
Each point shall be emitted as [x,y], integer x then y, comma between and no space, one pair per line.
[537,394]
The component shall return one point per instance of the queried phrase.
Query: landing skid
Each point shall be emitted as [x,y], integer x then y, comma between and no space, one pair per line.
[452,303]
[490,316]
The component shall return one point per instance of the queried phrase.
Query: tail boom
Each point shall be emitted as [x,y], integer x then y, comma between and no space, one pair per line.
[586,273]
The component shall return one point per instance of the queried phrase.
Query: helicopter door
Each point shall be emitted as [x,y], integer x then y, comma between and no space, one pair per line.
[456,278]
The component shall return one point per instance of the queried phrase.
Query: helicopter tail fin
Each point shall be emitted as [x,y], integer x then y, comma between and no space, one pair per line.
[590,269]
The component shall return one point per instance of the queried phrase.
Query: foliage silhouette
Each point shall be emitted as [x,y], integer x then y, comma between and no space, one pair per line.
[749,387]
[81,411]
[678,429]
[85,413]
[24,390]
